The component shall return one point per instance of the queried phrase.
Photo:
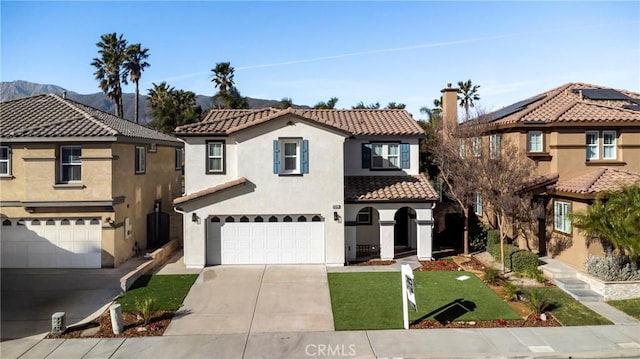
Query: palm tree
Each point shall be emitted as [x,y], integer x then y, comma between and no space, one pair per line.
[223,76]
[467,93]
[329,105]
[286,102]
[109,68]
[135,63]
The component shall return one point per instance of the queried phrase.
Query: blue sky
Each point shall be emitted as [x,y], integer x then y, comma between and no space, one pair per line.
[356,51]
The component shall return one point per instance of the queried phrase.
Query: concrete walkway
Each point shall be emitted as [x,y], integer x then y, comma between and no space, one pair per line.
[560,342]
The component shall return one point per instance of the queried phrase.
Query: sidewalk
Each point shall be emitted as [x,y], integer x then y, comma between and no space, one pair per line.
[583,342]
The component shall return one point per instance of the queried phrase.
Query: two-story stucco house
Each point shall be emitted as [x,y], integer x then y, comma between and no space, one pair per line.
[583,139]
[80,188]
[303,186]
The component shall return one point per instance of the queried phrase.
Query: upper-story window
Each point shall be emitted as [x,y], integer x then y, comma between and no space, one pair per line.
[494,145]
[153,147]
[178,158]
[70,164]
[608,148]
[476,147]
[562,219]
[141,159]
[5,161]
[534,141]
[477,204]
[462,148]
[386,156]
[215,157]
[290,156]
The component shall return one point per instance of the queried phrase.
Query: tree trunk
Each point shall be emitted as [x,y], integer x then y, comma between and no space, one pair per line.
[466,231]
[136,104]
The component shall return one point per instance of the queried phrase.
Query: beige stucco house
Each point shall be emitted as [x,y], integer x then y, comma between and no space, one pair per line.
[303,186]
[80,187]
[583,139]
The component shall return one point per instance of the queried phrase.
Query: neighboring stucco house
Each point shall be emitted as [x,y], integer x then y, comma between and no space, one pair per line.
[80,187]
[583,139]
[303,186]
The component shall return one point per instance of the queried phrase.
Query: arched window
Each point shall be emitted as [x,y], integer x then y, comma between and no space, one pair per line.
[229,219]
[79,222]
[273,219]
[258,219]
[6,222]
[287,219]
[302,219]
[94,221]
[20,222]
[50,222]
[316,219]
[244,219]
[65,222]
[35,222]
[215,219]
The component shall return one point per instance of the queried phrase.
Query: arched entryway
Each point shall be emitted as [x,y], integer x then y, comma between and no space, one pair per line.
[367,234]
[405,232]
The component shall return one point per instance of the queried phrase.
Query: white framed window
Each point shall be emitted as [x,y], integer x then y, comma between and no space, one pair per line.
[494,145]
[5,161]
[477,146]
[215,157]
[178,158]
[608,145]
[593,145]
[153,148]
[141,159]
[462,148]
[385,155]
[477,204]
[561,213]
[534,141]
[70,164]
[364,216]
[290,156]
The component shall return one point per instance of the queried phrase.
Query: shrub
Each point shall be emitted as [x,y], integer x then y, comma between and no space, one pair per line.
[613,267]
[537,301]
[536,274]
[511,291]
[524,261]
[146,307]
[478,237]
[491,275]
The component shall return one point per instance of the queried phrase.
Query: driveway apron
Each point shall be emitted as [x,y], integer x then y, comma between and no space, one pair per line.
[256,298]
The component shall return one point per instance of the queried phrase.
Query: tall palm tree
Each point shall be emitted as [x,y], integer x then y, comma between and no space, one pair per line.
[329,105]
[109,68]
[467,93]
[135,63]
[223,76]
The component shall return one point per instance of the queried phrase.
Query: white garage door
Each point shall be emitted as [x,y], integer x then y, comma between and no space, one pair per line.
[266,242]
[51,243]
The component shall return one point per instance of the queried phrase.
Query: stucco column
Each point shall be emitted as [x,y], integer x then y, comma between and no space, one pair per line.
[424,224]
[387,234]
[195,249]
[350,240]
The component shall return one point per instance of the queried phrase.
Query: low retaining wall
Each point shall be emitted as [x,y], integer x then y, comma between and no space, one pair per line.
[158,257]
[611,290]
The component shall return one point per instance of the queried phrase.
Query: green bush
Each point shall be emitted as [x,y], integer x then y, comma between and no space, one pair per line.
[524,261]
[538,301]
[146,307]
[491,275]
[511,291]
[536,274]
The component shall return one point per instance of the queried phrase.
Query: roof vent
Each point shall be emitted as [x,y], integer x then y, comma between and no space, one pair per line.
[64,95]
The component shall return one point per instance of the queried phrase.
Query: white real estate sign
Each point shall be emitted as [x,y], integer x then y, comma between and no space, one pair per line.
[408,293]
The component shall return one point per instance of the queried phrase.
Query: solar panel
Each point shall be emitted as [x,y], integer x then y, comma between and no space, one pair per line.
[632,107]
[602,94]
[506,111]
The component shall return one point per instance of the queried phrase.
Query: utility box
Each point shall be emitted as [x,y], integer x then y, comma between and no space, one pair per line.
[58,323]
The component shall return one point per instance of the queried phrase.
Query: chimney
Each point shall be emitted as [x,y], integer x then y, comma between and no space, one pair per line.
[449,107]
[64,95]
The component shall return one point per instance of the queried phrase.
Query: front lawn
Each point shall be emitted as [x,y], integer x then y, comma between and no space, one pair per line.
[168,291]
[374,300]
[569,311]
[629,306]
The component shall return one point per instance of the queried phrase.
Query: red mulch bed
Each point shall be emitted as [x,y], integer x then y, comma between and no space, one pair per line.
[530,321]
[373,262]
[439,265]
[156,327]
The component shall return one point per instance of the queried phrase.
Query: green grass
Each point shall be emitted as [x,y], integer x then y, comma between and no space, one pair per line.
[629,306]
[167,290]
[374,300]
[569,311]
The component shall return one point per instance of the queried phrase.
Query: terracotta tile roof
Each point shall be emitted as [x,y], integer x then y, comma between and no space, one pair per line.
[600,180]
[388,188]
[51,116]
[567,104]
[355,122]
[210,191]
[538,181]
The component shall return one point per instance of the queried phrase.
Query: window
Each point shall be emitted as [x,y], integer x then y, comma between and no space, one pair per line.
[153,148]
[592,145]
[5,161]
[494,146]
[609,145]
[384,155]
[462,148]
[534,141]
[477,146]
[364,216]
[178,158]
[562,222]
[70,164]
[141,159]
[477,204]
[215,157]
[290,156]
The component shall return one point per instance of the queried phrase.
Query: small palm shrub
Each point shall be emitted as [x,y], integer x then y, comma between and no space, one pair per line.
[511,291]
[491,275]
[536,274]
[537,301]
[146,307]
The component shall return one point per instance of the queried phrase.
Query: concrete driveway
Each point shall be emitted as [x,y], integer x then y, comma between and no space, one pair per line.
[30,296]
[256,299]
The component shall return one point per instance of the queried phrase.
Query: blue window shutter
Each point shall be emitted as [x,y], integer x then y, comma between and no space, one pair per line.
[405,160]
[305,156]
[366,155]
[276,156]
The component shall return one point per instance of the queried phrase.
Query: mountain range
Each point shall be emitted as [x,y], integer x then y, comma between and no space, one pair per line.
[18,89]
